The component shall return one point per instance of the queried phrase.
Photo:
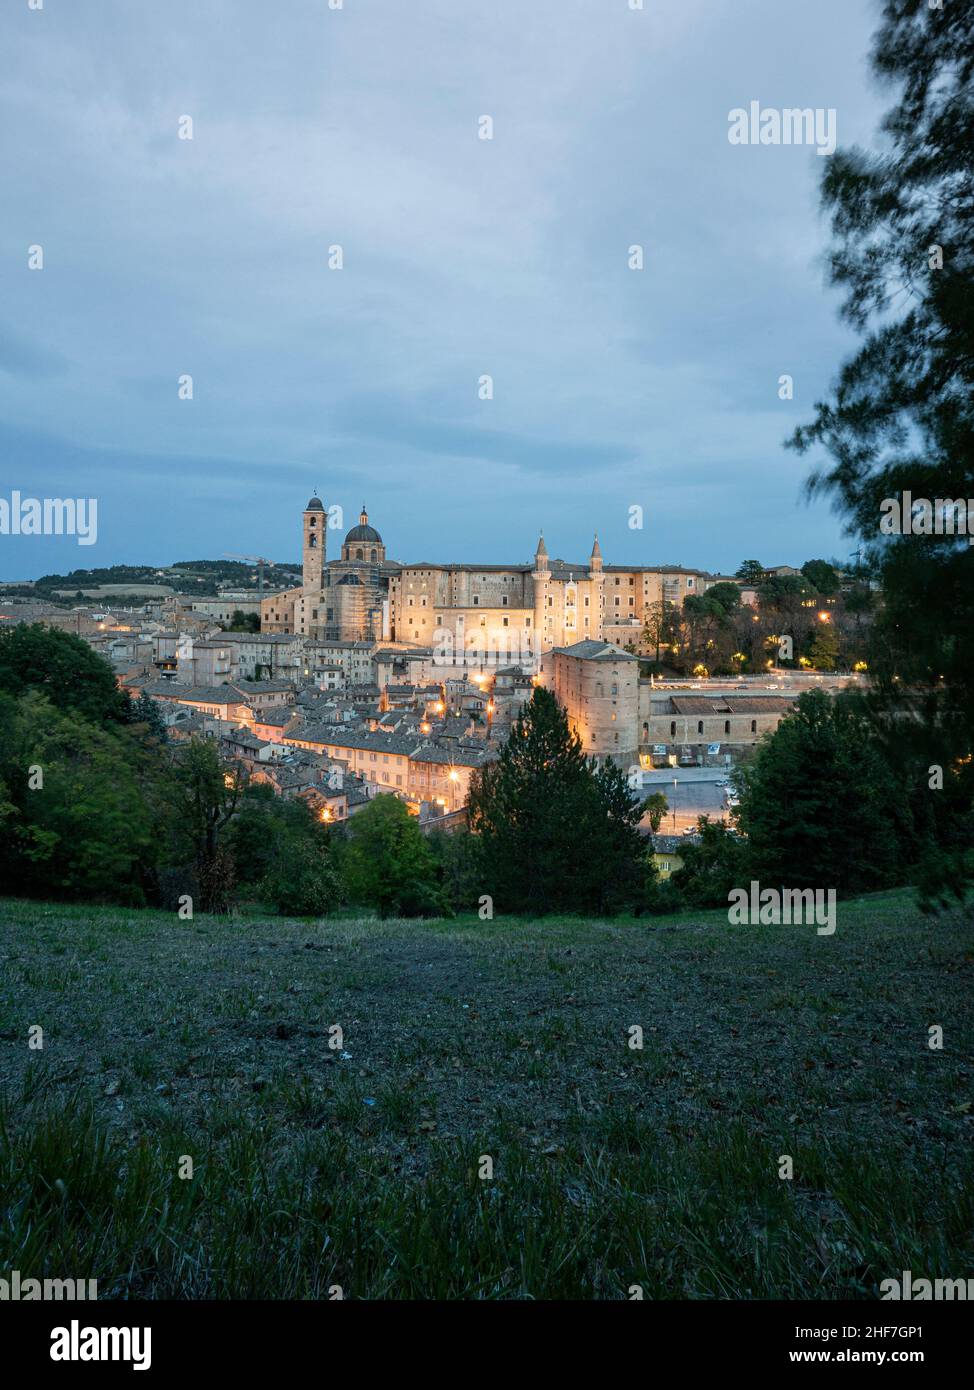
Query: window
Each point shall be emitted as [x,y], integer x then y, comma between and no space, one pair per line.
[754,726]
[726,726]
[476,600]
[673,728]
[699,726]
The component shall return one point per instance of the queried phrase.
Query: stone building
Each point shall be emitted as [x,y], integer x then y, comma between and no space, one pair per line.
[470,615]
[598,686]
[483,616]
[693,721]
[342,599]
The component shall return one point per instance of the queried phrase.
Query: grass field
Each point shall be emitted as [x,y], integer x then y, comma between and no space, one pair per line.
[612,1167]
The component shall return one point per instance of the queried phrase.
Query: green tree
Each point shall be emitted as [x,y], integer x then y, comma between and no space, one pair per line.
[303,879]
[63,668]
[824,651]
[146,712]
[712,865]
[901,415]
[822,577]
[205,792]
[751,572]
[555,833]
[242,622]
[617,852]
[820,805]
[387,863]
[656,625]
[76,806]
[656,807]
[726,594]
[457,858]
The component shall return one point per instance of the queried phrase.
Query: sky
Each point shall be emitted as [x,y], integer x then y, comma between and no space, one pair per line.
[462,258]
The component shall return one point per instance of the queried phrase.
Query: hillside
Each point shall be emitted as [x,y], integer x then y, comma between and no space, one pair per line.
[611,1166]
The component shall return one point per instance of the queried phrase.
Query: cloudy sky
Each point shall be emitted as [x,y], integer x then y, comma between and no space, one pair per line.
[315,127]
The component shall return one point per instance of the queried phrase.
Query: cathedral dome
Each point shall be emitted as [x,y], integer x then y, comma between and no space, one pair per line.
[315,505]
[363,531]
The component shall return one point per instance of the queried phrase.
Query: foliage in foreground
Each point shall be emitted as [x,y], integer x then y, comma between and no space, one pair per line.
[623,1204]
[899,421]
[555,833]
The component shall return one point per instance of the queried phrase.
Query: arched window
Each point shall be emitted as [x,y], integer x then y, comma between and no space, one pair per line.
[754,726]
[313,542]
[374,556]
[360,554]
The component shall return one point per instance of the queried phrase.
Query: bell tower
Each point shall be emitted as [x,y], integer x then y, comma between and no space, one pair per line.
[314,542]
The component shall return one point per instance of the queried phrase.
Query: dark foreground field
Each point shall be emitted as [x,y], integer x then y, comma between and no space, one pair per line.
[612,1167]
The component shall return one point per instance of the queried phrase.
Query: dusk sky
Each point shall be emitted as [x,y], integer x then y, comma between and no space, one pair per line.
[358,127]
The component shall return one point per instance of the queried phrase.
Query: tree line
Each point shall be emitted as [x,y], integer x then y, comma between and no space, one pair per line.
[828,624]
[96,805]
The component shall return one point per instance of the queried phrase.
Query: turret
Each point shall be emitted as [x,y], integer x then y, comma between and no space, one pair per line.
[542,575]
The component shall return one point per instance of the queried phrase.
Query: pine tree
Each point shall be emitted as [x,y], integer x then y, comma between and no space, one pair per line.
[555,834]
[901,416]
[820,806]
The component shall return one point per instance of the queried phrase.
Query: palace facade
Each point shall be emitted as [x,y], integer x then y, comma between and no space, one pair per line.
[468,614]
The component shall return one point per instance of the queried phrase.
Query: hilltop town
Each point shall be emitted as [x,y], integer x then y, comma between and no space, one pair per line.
[372,675]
